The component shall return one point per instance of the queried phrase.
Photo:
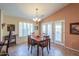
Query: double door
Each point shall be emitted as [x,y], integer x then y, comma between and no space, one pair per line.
[55,30]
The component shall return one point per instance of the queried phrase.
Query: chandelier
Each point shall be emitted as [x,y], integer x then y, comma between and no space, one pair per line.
[36,18]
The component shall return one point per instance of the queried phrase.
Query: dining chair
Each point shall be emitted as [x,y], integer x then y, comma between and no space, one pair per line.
[44,44]
[47,37]
[31,43]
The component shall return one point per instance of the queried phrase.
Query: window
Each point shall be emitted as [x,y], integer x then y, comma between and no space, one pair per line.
[58,31]
[25,29]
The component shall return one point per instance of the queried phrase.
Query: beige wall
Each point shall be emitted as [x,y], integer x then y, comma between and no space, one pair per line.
[1,22]
[15,20]
[0,25]
[70,14]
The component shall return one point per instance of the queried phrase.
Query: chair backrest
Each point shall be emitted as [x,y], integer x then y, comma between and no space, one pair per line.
[44,43]
[31,41]
[45,37]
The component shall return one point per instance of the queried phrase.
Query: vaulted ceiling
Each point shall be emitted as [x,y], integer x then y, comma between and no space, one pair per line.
[27,10]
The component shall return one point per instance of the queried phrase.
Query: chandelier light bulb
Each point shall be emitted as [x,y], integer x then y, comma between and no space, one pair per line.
[39,20]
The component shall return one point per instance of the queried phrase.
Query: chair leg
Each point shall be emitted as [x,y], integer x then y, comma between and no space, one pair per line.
[42,52]
[31,49]
[49,44]
[7,54]
[47,50]
[28,47]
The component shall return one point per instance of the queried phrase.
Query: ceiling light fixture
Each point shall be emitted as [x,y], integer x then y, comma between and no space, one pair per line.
[36,18]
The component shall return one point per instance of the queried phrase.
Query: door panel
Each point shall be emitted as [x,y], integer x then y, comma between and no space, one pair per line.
[47,29]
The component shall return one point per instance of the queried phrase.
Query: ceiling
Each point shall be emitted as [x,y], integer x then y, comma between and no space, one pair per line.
[27,10]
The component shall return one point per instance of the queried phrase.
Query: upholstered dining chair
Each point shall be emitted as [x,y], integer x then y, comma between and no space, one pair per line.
[44,44]
[31,43]
[47,37]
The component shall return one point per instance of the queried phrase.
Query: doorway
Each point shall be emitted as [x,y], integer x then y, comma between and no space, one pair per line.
[56,31]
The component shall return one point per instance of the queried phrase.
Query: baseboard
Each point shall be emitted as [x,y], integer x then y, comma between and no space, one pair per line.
[67,47]
[22,42]
[72,49]
[58,43]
